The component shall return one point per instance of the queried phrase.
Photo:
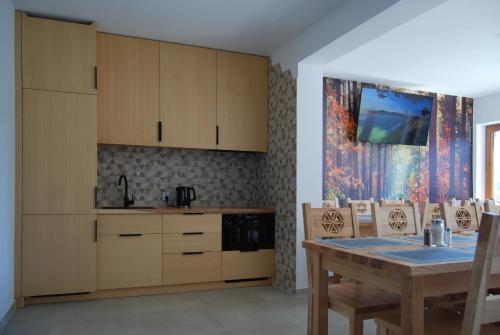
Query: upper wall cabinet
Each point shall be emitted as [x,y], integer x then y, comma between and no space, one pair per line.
[58,56]
[128,99]
[188,96]
[59,152]
[242,101]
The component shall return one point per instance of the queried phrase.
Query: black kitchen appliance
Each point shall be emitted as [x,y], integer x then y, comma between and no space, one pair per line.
[247,232]
[184,196]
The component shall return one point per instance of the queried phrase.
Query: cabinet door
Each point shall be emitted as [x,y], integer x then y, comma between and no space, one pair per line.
[58,56]
[59,152]
[128,99]
[129,260]
[58,254]
[188,96]
[242,101]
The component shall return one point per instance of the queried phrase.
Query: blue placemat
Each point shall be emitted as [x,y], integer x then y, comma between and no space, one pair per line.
[429,255]
[366,242]
[468,247]
[454,238]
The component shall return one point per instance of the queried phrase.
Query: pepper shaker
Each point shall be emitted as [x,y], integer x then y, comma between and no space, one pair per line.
[427,237]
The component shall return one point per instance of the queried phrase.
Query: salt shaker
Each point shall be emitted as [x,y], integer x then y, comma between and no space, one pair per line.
[437,232]
[448,236]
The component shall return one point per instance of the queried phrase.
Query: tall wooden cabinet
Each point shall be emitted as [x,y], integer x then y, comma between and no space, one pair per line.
[242,101]
[58,55]
[188,96]
[128,99]
[59,152]
[58,156]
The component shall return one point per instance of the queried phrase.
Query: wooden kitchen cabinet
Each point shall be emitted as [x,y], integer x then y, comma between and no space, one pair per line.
[58,55]
[238,265]
[59,152]
[129,251]
[58,254]
[242,101]
[128,99]
[188,96]
[129,260]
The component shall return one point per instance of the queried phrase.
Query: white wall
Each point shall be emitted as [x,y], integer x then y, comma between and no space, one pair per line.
[7,156]
[486,111]
[309,153]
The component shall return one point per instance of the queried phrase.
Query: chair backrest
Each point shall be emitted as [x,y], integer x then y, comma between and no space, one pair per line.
[431,211]
[461,218]
[330,222]
[480,307]
[362,207]
[397,220]
[391,202]
[334,203]
[489,206]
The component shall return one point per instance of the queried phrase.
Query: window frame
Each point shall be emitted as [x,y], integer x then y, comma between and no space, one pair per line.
[490,130]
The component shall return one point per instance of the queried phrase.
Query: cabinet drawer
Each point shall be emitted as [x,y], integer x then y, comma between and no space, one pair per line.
[188,223]
[194,268]
[129,261]
[178,243]
[128,224]
[245,265]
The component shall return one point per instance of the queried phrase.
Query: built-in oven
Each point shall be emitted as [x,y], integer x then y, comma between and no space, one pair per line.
[247,232]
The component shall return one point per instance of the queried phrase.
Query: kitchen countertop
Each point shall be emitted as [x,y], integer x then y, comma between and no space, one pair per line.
[192,210]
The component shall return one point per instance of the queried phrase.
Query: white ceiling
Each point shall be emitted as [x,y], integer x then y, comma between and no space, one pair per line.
[253,26]
[454,48]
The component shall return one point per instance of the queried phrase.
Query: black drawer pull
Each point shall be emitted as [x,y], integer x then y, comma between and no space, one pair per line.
[193,253]
[129,235]
[194,233]
[193,213]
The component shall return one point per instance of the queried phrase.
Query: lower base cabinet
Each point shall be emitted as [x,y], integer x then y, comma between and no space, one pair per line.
[129,260]
[191,267]
[237,265]
[58,254]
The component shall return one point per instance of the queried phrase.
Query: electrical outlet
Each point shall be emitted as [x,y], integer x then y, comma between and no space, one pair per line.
[165,195]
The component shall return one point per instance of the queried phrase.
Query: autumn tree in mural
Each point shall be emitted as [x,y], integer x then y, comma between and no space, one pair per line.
[361,170]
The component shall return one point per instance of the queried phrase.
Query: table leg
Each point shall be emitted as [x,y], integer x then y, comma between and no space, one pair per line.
[320,297]
[412,306]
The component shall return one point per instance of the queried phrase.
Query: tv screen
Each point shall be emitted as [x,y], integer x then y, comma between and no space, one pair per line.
[387,116]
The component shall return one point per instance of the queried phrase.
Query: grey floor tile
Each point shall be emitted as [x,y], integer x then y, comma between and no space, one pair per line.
[259,310]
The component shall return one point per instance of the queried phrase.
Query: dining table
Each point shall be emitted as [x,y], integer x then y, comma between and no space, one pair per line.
[377,266]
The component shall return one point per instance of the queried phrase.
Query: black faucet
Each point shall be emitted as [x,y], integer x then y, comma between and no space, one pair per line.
[126,200]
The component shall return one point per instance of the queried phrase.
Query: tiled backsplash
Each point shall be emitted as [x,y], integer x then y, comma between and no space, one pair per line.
[229,179]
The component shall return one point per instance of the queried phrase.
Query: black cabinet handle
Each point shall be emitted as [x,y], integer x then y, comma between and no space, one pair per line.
[95,77]
[95,231]
[193,213]
[95,197]
[193,233]
[193,253]
[130,235]
[160,137]
[217,135]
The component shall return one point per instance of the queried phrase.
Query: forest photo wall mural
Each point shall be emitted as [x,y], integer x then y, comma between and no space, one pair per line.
[361,170]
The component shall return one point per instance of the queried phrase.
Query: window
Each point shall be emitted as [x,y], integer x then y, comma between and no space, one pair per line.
[493,162]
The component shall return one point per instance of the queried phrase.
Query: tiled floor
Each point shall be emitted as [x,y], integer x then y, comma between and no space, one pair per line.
[257,310]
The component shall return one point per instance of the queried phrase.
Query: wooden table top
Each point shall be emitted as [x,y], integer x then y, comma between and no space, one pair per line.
[365,257]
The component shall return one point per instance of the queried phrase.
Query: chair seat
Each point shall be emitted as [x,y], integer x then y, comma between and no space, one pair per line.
[356,298]
[436,321]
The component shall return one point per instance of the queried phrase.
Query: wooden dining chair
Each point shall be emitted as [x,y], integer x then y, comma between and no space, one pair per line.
[431,211]
[356,301]
[362,207]
[482,309]
[490,206]
[396,220]
[461,219]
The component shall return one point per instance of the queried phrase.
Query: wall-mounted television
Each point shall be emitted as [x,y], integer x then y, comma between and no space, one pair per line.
[387,116]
